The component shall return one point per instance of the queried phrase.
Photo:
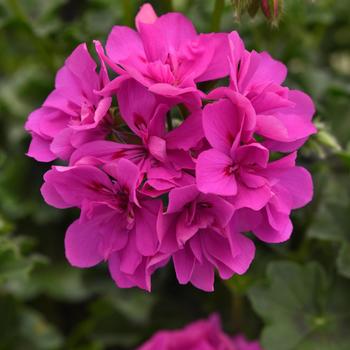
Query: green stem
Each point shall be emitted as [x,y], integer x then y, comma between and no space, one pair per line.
[237,309]
[217,14]
[128,12]
[169,5]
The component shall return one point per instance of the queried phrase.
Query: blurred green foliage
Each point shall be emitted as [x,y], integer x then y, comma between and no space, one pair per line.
[296,295]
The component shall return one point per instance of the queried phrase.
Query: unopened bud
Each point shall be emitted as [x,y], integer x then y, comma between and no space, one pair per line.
[240,7]
[272,9]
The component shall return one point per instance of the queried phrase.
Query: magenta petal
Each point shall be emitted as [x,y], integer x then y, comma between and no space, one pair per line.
[185,230]
[218,247]
[212,174]
[179,197]
[82,66]
[271,127]
[146,227]
[253,198]
[130,258]
[137,105]
[168,90]
[77,184]
[267,233]
[61,144]
[303,104]
[127,174]
[297,126]
[39,149]
[258,69]
[157,148]
[122,279]
[278,146]
[218,66]
[221,124]
[146,14]
[245,220]
[166,230]
[203,276]
[236,51]
[81,244]
[299,183]
[244,250]
[53,197]
[105,151]
[123,42]
[184,264]
[252,154]
[220,208]
[187,134]
[283,163]
[240,343]
[171,30]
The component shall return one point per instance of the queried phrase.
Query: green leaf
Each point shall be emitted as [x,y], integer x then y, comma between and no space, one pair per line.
[13,264]
[61,282]
[36,333]
[343,260]
[301,309]
[331,220]
[24,328]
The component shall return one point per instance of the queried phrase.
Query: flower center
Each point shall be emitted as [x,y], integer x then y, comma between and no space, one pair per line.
[231,169]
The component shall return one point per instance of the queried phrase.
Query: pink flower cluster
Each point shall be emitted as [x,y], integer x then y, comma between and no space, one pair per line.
[163,169]
[200,335]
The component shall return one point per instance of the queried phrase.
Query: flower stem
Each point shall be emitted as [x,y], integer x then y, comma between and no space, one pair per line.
[217,14]
[128,13]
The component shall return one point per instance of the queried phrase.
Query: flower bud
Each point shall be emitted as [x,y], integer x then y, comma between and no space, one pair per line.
[272,9]
[240,6]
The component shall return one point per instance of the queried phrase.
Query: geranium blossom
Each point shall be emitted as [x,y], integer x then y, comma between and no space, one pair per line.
[202,334]
[162,171]
[283,116]
[166,55]
[73,114]
[115,225]
[195,230]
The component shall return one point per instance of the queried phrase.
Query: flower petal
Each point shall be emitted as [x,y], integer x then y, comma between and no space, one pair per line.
[212,174]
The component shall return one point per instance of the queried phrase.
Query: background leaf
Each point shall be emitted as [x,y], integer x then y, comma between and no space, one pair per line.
[301,309]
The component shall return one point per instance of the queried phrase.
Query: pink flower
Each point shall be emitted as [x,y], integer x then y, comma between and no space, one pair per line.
[73,113]
[162,177]
[199,335]
[162,155]
[236,163]
[283,116]
[166,55]
[195,231]
[292,188]
[241,343]
[116,225]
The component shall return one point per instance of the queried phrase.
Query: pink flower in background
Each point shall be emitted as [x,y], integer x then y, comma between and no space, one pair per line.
[163,172]
[73,113]
[199,335]
[241,343]
[167,56]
